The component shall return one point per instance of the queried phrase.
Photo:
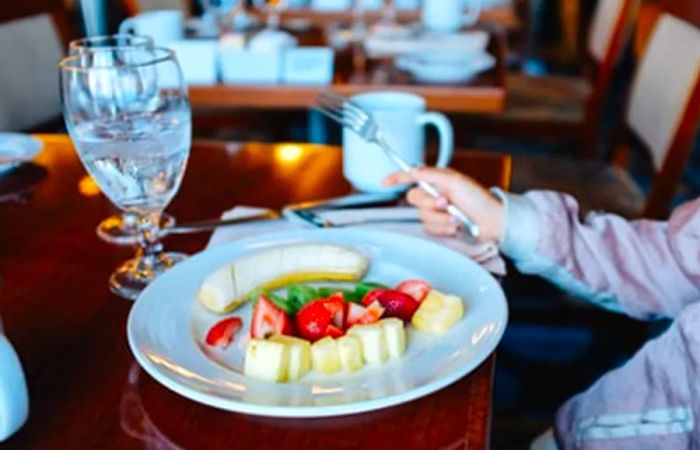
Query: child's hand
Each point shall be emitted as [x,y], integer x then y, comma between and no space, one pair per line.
[466,194]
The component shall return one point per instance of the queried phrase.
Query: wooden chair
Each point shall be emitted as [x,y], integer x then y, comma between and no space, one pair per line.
[661,119]
[567,107]
[33,35]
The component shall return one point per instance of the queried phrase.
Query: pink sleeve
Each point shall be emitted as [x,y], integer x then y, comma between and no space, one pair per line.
[643,268]
[649,403]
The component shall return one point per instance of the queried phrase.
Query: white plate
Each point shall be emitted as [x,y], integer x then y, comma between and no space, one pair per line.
[16,148]
[166,325]
[445,71]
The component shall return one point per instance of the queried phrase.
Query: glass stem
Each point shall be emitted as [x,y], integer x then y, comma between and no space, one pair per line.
[149,238]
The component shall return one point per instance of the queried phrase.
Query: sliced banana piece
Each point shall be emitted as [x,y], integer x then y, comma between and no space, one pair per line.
[438,313]
[230,286]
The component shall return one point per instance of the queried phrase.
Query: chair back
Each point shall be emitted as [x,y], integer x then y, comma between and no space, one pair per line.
[608,17]
[664,105]
[31,48]
[611,26]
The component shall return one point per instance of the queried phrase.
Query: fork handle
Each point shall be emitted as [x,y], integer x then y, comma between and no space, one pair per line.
[470,227]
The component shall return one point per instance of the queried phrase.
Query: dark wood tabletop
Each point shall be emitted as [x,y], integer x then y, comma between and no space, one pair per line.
[87,392]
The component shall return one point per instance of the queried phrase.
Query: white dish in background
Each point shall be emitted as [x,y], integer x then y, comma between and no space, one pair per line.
[167,324]
[16,148]
[467,42]
[445,68]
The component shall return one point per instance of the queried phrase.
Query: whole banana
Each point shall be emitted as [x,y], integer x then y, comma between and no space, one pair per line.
[231,285]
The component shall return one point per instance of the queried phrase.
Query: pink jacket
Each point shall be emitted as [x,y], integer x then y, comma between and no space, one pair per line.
[645,269]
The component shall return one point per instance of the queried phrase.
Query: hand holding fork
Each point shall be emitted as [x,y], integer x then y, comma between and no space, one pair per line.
[350,115]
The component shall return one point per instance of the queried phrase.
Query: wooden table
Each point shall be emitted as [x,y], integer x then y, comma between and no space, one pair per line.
[505,16]
[86,390]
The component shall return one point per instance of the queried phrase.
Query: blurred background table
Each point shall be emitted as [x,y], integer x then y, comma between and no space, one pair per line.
[86,390]
[357,73]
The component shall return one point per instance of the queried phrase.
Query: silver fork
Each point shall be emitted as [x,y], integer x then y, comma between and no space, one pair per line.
[350,115]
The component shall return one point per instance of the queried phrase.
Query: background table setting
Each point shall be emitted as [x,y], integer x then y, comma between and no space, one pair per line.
[232,60]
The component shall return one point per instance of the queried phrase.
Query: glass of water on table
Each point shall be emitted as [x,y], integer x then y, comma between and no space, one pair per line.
[127,112]
[120,229]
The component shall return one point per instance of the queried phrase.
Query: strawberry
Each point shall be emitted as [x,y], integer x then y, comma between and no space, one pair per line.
[375,311]
[222,333]
[371,296]
[395,303]
[356,314]
[269,319]
[321,318]
[336,305]
[417,289]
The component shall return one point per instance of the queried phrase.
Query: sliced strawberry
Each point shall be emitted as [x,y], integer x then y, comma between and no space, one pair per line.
[334,331]
[357,314]
[222,333]
[354,314]
[398,304]
[417,289]
[336,305]
[375,311]
[269,319]
[371,296]
[321,318]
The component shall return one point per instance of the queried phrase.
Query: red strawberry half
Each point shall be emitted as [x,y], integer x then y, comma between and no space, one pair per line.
[269,319]
[222,333]
[321,318]
[395,303]
[417,289]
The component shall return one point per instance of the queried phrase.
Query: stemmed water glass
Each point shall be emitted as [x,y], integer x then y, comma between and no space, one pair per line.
[120,229]
[127,112]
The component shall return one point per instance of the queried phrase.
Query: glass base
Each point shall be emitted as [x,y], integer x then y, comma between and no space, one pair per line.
[134,275]
[121,229]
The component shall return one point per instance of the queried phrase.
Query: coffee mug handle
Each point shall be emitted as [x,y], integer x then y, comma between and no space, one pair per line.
[14,399]
[444,128]
[128,26]
[473,12]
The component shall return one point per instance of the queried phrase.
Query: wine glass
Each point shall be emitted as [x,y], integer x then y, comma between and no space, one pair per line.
[228,14]
[117,229]
[127,112]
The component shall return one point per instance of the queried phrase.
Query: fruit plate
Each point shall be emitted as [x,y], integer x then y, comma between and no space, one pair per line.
[167,324]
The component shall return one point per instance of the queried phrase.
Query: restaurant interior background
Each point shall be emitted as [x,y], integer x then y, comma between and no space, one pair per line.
[561,126]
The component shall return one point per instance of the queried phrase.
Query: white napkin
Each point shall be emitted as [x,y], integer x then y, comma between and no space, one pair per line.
[467,42]
[486,255]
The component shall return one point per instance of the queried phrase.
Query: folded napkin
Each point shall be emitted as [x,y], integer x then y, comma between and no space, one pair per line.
[485,255]
[467,42]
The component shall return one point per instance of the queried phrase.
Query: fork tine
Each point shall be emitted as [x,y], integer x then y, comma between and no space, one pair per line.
[337,101]
[339,110]
[344,121]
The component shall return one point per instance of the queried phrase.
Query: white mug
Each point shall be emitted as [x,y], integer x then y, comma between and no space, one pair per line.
[14,400]
[401,117]
[164,26]
[448,16]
